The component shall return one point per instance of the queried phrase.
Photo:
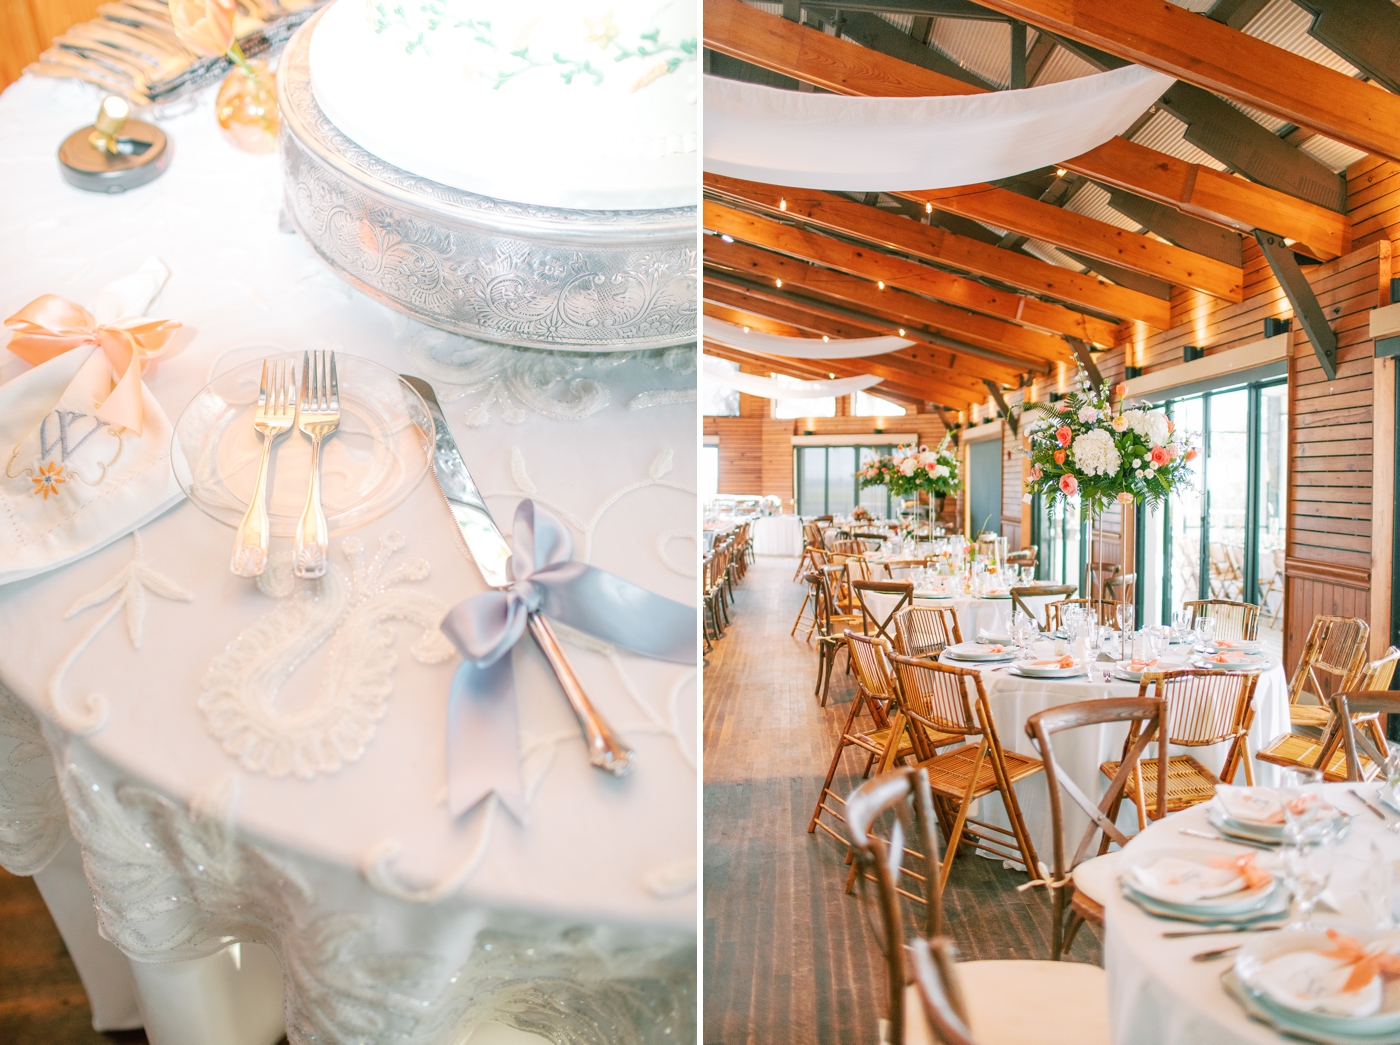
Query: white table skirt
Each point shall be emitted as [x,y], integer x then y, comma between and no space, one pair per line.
[391,920]
[1156,994]
[975,616]
[777,535]
[1081,751]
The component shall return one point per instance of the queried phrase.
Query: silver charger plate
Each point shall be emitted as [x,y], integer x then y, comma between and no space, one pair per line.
[539,277]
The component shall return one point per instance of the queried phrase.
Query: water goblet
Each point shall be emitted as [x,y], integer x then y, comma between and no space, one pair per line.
[1124,614]
[1027,574]
[1181,624]
[1093,640]
[1205,633]
[1307,861]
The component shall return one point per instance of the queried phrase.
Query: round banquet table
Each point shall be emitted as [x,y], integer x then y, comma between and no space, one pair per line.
[976,615]
[1157,995]
[777,535]
[1081,751]
[348,905]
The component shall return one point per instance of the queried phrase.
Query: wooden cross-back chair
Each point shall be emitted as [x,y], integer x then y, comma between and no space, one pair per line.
[944,704]
[1326,754]
[1019,596]
[811,539]
[1333,656]
[1105,611]
[1361,747]
[818,558]
[1233,620]
[872,617]
[833,618]
[926,631]
[884,741]
[1075,894]
[1049,1003]
[1204,708]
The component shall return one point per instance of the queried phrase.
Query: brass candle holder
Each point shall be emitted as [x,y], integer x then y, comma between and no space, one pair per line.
[115,153]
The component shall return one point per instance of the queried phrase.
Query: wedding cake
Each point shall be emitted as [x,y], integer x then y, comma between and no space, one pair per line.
[578,104]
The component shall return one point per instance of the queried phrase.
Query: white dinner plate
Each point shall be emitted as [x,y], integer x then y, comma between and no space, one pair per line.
[1047,669]
[1250,967]
[978,651]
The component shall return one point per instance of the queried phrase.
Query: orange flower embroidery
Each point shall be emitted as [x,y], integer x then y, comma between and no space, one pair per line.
[49,478]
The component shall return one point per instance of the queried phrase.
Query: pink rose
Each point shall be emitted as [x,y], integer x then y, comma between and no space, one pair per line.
[1064,435]
[1036,473]
[204,26]
[1069,485]
[1063,408]
[1159,456]
[1171,452]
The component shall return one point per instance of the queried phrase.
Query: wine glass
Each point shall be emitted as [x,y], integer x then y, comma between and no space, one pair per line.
[1181,624]
[1093,640]
[1308,857]
[1205,633]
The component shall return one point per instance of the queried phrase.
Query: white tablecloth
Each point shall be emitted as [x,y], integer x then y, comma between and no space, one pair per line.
[975,615]
[777,535]
[1157,995]
[391,920]
[1081,751]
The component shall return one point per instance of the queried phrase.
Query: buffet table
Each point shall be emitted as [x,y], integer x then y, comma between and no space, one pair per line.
[350,888]
[777,535]
[1157,994]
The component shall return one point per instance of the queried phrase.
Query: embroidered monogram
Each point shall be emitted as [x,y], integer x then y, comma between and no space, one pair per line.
[66,433]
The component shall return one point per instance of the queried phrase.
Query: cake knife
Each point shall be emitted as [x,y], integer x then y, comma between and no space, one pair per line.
[489,550]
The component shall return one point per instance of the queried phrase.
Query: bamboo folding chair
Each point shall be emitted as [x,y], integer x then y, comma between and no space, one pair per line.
[809,599]
[832,621]
[903,591]
[1049,1003]
[1293,750]
[1072,905]
[940,702]
[1362,704]
[1105,611]
[885,741]
[1233,620]
[1019,596]
[1204,708]
[926,631]
[1333,657]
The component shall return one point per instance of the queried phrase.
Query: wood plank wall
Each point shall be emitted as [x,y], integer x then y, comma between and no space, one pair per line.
[27,26]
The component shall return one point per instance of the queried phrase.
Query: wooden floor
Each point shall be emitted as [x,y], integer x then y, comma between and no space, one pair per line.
[788,956]
[42,1001]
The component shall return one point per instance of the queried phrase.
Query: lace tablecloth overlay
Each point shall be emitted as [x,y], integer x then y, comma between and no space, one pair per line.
[265,762]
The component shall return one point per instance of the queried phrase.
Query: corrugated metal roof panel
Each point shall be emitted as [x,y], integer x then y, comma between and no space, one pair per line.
[978,46]
[1092,202]
[1045,252]
[1199,6]
[1164,133]
[1273,123]
[901,22]
[1285,25]
[1332,154]
[1062,66]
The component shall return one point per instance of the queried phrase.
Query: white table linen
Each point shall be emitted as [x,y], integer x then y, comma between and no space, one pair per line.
[976,616]
[777,535]
[390,920]
[1157,995]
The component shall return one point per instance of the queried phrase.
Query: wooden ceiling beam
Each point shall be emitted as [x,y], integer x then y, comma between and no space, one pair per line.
[938,245]
[843,67]
[929,354]
[896,306]
[913,276]
[1208,54]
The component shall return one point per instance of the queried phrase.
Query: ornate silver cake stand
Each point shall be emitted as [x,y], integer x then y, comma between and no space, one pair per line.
[541,277]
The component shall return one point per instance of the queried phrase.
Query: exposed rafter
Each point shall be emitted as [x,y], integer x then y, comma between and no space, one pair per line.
[1300,295]
[1208,54]
[938,245]
[1200,237]
[1364,32]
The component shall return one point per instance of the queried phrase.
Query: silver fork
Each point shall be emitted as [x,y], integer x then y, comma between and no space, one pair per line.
[318,415]
[275,416]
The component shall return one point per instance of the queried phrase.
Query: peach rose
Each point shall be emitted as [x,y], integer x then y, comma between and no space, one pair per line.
[1064,435]
[1063,408]
[1191,454]
[1159,456]
[1171,426]
[1069,485]
[1060,456]
[204,26]
[1126,498]
[1036,473]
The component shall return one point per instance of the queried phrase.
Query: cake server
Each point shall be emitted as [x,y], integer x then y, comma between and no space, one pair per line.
[489,550]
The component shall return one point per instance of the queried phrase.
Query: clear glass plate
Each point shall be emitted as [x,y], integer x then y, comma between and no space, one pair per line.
[371,464]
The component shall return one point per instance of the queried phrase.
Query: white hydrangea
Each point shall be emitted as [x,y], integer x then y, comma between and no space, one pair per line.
[940,471]
[908,466]
[1151,425]
[1095,454]
[1088,415]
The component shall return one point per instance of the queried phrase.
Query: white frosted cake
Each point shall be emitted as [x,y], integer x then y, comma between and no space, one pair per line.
[581,104]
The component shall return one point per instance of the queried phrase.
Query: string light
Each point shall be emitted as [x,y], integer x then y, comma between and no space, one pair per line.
[1060,172]
[782,204]
[832,376]
[825,338]
[901,331]
[726,237]
[746,330]
[928,208]
[880,283]
[777,283]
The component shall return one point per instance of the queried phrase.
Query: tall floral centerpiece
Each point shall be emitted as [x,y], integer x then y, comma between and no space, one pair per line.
[912,470]
[1084,445]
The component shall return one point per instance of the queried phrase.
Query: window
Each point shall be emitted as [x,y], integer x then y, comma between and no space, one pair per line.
[863,404]
[717,400]
[709,471]
[826,481]
[793,408]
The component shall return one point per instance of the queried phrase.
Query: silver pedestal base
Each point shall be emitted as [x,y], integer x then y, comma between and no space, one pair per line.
[541,277]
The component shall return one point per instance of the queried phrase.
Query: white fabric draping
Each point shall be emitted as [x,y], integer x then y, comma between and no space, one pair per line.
[829,141]
[768,388]
[777,535]
[799,347]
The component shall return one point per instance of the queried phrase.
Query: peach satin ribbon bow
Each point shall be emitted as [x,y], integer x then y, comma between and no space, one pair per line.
[1365,964]
[50,325]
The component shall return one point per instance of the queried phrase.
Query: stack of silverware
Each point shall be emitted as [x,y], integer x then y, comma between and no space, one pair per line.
[315,412]
[131,49]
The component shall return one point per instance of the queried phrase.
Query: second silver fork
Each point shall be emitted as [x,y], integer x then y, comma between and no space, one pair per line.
[318,415]
[275,416]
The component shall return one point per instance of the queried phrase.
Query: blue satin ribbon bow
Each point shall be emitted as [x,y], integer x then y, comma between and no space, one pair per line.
[483,732]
